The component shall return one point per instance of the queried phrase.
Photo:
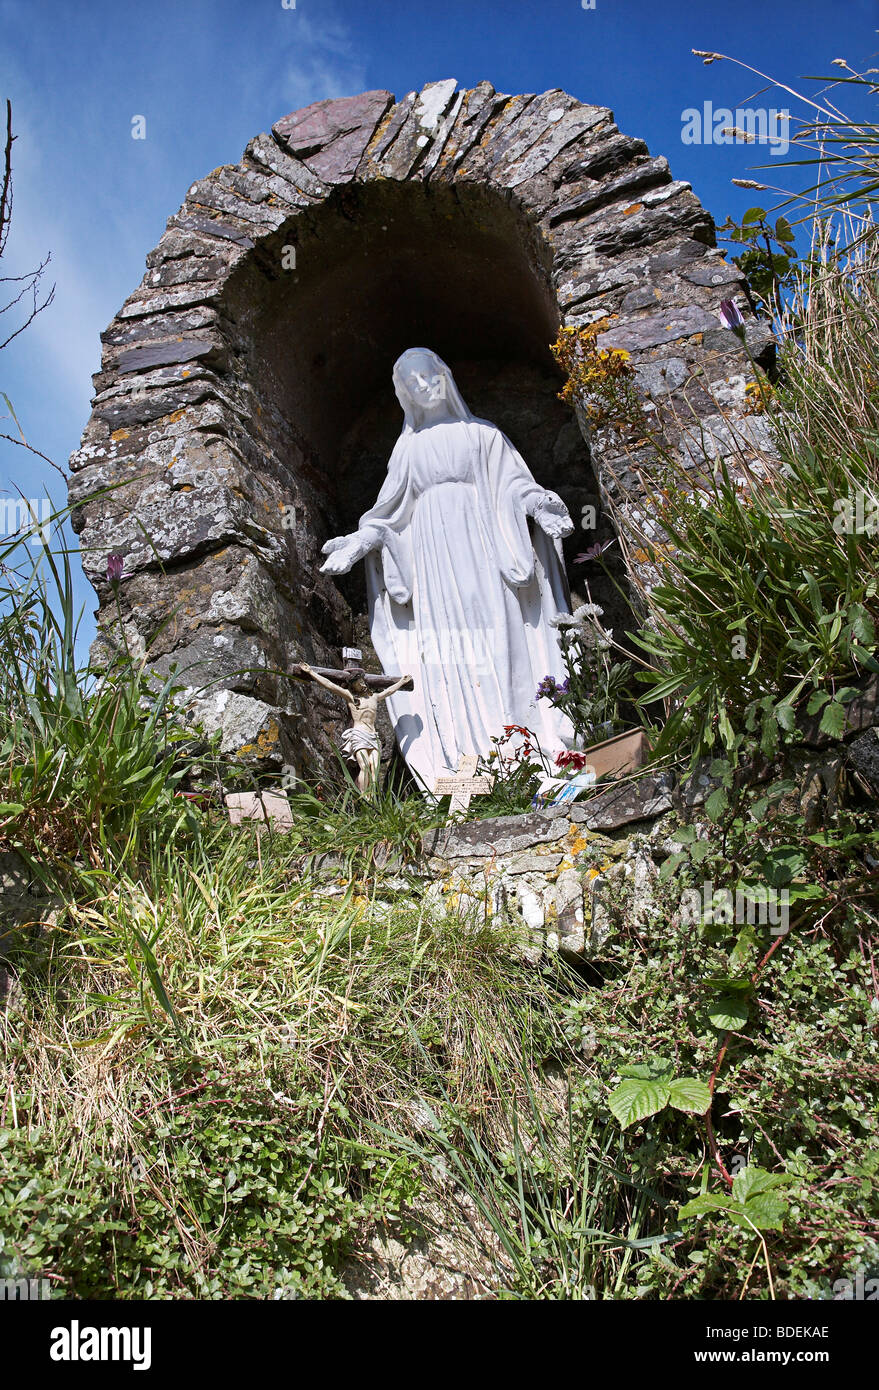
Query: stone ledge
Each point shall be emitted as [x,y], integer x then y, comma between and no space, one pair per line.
[501,836]
[625,803]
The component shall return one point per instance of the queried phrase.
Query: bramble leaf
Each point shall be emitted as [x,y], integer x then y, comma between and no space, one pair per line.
[635,1100]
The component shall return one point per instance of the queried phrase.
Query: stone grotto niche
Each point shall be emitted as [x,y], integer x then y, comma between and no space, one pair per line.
[244,411]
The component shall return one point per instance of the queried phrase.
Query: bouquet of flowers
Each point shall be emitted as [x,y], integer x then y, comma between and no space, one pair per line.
[591,693]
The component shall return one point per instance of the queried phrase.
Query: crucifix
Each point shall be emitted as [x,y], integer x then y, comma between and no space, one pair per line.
[463,784]
[362,693]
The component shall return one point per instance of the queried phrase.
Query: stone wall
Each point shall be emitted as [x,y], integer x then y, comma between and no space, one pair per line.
[231,430]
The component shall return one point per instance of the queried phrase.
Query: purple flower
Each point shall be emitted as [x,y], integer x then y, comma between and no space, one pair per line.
[114,568]
[549,688]
[593,552]
[731,316]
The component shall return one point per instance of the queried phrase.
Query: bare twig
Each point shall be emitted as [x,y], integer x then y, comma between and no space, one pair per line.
[23,444]
[30,281]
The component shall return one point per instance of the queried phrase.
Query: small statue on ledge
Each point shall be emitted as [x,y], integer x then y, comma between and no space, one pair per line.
[359,744]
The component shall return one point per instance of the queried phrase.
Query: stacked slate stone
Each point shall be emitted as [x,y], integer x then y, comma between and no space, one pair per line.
[208,440]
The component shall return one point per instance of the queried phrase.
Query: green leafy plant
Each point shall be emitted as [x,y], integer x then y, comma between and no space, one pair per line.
[650,1087]
[756,1202]
[90,763]
[769,258]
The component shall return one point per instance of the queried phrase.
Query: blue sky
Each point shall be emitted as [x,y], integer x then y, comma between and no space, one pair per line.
[209,74]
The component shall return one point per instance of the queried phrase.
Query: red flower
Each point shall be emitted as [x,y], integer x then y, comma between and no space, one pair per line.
[569,758]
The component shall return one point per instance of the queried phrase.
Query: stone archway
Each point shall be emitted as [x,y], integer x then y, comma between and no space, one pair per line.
[244,411]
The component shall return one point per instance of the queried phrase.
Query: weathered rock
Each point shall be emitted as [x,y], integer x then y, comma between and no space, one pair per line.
[451,1265]
[817,778]
[648,173]
[567,933]
[623,897]
[625,803]
[23,901]
[427,123]
[862,757]
[174,350]
[265,806]
[501,836]
[714,272]
[539,872]
[331,136]
[658,328]
[695,789]
[251,731]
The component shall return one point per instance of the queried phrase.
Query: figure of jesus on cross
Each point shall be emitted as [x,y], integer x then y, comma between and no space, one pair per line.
[360,743]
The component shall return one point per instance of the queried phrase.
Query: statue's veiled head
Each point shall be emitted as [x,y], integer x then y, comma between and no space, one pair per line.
[426,390]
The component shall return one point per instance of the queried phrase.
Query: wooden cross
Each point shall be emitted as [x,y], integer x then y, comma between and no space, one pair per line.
[463,784]
[352,657]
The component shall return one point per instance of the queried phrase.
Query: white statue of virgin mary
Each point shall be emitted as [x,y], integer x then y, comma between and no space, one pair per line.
[461,594]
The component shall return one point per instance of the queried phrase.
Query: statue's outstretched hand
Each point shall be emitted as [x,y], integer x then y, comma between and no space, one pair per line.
[552,516]
[344,551]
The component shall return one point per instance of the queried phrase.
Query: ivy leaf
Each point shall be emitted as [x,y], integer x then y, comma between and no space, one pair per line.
[636,1100]
[689,1094]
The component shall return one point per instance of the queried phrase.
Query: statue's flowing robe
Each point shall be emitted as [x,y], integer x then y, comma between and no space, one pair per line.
[461,595]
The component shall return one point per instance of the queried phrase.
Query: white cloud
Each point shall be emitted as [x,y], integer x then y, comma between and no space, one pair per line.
[325,62]
[72,199]
[67,332]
